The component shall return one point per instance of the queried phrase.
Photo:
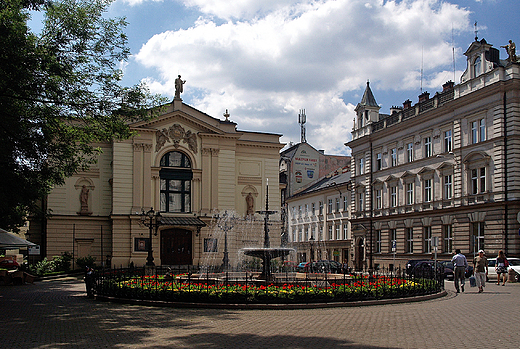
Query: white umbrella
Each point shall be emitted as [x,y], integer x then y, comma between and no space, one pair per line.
[11,241]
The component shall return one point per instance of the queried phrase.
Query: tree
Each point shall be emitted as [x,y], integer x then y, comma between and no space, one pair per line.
[60,93]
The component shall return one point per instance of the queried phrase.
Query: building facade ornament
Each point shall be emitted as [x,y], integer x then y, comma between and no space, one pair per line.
[175,134]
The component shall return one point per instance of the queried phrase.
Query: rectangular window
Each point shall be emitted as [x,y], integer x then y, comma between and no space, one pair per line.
[409,240]
[427,190]
[447,233]
[300,211]
[306,210]
[427,239]
[474,132]
[320,236]
[409,193]
[393,240]
[427,147]
[345,231]
[330,206]
[448,187]
[393,156]
[379,162]
[448,142]
[478,236]
[482,130]
[337,204]
[478,180]
[393,196]
[321,208]
[361,166]
[345,204]
[378,241]
[361,197]
[313,205]
[300,235]
[378,199]
[330,232]
[338,232]
[409,152]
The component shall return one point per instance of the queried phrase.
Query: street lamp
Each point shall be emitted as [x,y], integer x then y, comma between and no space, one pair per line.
[311,243]
[226,222]
[152,220]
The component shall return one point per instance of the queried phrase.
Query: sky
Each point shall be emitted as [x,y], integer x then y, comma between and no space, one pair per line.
[265,60]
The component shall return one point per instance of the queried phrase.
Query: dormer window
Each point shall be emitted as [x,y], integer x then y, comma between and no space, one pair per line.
[477,67]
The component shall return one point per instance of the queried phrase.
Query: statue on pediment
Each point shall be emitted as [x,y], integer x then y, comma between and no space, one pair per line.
[179,87]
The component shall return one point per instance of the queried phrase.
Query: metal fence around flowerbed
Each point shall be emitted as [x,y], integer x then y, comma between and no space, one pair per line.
[168,285]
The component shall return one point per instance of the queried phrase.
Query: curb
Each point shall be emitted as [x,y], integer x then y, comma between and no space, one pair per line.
[152,303]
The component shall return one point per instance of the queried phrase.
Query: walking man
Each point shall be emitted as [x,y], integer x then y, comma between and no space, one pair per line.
[481,269]
[460,263]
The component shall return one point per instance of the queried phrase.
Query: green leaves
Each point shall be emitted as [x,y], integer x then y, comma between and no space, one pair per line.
[59,94]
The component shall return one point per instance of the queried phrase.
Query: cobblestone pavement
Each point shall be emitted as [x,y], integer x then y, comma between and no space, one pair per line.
[56,314]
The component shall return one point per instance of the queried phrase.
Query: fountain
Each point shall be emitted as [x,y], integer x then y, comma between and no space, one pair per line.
[266,253]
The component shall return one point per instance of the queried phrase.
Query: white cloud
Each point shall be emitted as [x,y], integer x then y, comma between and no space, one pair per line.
[303,55]
[138,2]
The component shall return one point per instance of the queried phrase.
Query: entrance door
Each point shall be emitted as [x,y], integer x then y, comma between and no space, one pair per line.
[360,254]
[176,247]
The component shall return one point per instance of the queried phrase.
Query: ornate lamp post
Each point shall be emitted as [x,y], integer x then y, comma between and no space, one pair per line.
[152,220]
[226,222]
[311,243]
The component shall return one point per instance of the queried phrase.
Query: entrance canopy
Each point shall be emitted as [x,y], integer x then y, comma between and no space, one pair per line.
[11,241]
[182,221]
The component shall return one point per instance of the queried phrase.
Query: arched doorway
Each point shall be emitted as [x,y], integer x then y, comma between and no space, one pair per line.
[176,247]
[359,254]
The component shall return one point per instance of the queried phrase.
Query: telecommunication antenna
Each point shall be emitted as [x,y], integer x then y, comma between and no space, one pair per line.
[453,51]
[302,119]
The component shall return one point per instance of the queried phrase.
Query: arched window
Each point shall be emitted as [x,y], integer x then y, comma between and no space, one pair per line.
[176,176]
[476,67]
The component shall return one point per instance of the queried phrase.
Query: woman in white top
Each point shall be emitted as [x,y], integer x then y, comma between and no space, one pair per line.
[501,267]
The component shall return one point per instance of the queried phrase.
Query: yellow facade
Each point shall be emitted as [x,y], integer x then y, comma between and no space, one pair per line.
[96,212]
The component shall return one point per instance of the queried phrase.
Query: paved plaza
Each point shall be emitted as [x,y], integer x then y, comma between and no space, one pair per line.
[57,314]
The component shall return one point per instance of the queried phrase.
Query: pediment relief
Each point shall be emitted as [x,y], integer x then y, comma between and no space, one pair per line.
[476,156]
[175,134]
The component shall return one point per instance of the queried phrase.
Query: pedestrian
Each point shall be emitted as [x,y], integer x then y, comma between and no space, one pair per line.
[89,281]
[460,264]
[501,267]
[481,270]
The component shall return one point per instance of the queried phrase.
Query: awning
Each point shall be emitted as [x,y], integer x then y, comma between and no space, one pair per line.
[194,221]
[11,241]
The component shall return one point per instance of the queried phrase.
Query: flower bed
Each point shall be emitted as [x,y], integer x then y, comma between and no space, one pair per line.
[309,290]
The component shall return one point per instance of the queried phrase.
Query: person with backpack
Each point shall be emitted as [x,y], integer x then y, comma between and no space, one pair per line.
[501,267]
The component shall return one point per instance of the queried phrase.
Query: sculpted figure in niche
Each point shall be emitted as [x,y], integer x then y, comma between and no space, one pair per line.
[250,201]
[83,197]
[179,83]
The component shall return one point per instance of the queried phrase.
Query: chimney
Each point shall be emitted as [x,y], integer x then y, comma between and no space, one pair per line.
[395,109]
[423,97]
[407,104]
[448,86]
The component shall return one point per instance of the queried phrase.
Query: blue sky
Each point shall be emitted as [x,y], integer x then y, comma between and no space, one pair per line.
[264,60]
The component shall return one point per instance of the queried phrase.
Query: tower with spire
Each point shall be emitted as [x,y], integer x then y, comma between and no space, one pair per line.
[367,111]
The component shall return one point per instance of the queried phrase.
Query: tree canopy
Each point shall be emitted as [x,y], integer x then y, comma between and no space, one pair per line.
[60,94]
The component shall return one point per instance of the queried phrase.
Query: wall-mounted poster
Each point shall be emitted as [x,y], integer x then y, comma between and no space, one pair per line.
[141,244]
[210,245]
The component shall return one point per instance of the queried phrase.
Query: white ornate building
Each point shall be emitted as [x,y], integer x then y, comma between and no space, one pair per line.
[319,219]
[444,170]
[187,165]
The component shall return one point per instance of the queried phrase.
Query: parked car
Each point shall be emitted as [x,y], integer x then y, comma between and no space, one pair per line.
[326,266]
[514,263]
[426,269]
[303,267]
[448,270]
[411,264]
[9,264]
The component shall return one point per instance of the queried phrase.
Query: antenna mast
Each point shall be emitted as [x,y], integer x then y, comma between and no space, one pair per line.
[302,119]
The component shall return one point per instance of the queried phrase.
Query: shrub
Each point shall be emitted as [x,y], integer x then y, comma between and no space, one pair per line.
[83,262]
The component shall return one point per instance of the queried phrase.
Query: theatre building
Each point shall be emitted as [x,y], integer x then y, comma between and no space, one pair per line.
[185,164]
